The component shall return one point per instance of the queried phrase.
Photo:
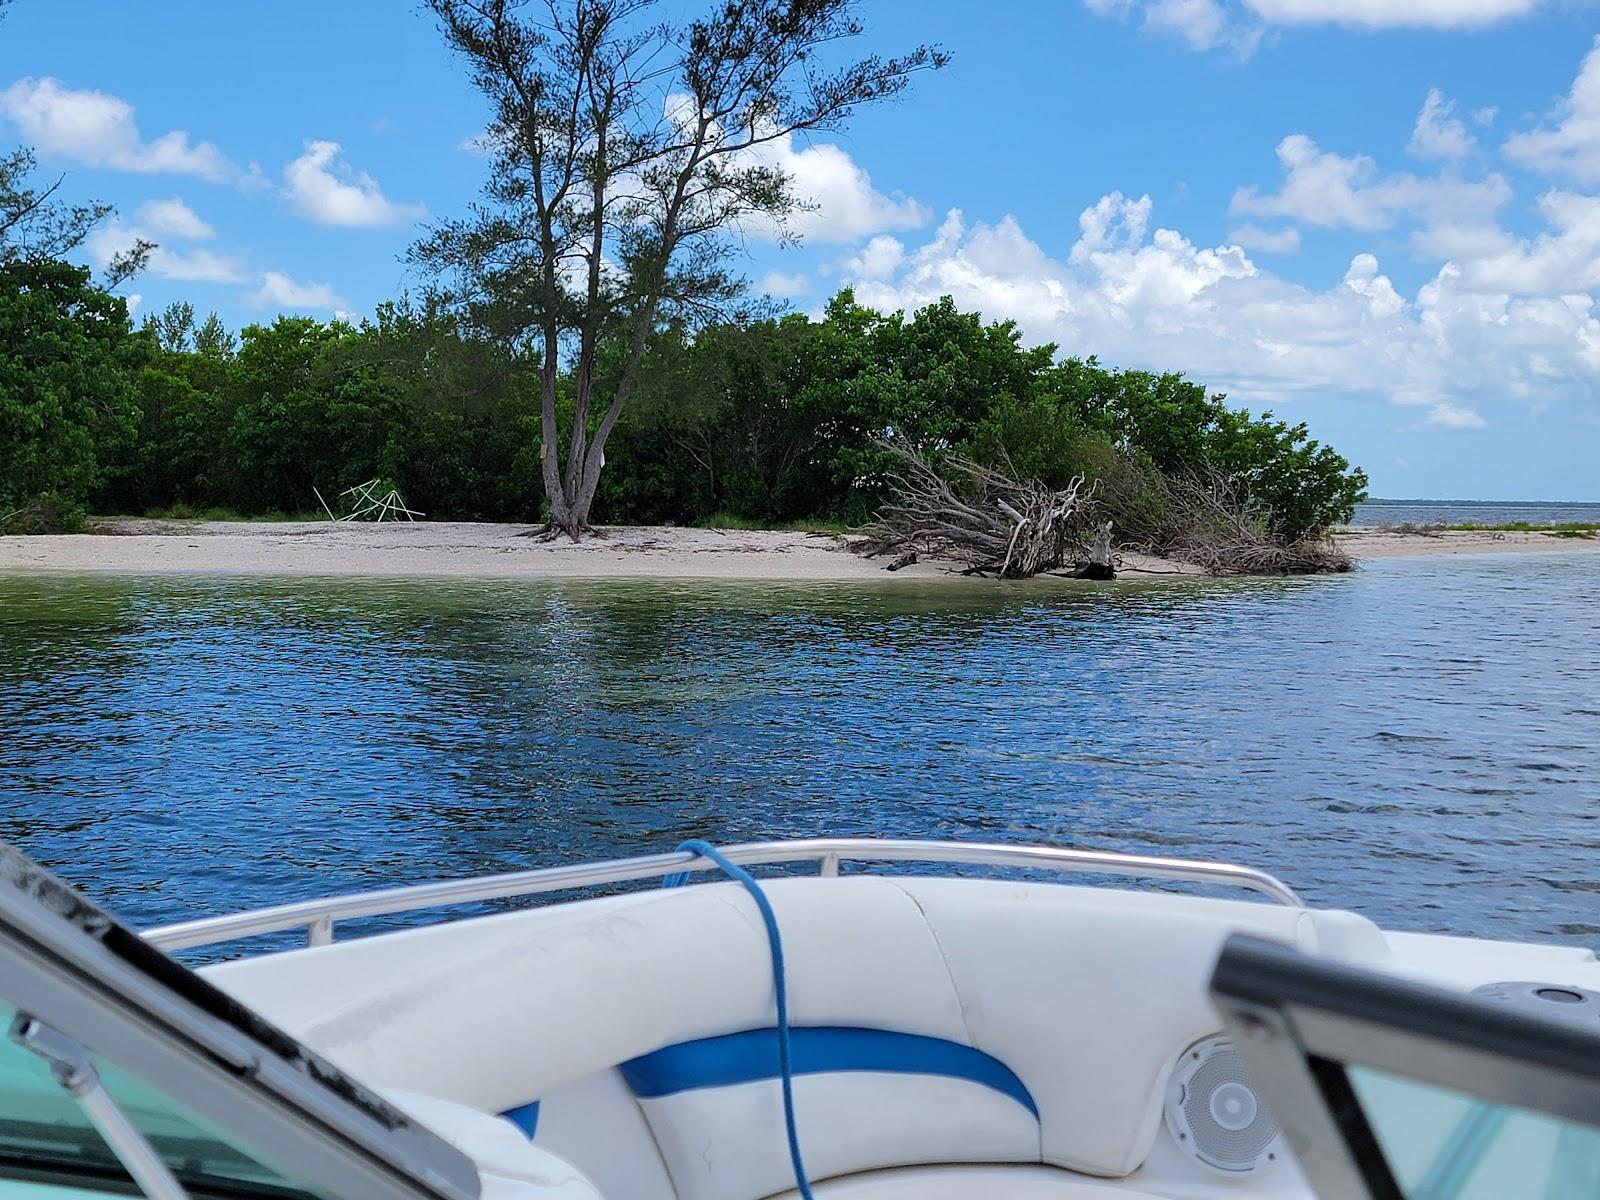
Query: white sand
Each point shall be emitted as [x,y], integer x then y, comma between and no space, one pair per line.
[459,549]
[1377,543]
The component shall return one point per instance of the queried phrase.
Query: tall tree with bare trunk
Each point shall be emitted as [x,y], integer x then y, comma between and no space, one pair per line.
[628,156]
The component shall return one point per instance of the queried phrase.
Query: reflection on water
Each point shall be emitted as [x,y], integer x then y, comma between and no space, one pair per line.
[1419,741]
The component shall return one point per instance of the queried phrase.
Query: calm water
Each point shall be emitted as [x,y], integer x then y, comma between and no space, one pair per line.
[1419,740]
[1480,512]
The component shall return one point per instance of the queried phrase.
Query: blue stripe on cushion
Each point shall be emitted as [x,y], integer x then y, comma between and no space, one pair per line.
[747,1057]
[525,1117]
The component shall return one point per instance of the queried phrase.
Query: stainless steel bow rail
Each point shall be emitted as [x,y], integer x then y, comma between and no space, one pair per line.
[316,917]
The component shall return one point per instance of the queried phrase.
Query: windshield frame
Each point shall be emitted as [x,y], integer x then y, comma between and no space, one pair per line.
[95,981]
[1301,1021]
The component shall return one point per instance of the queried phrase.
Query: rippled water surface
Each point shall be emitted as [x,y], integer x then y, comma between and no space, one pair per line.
[1419,740]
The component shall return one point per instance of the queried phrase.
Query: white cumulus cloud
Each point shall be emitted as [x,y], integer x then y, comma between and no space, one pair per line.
[279,290]
[1439,133]
[1569,143]
[173,218]
[1137,294]
[783,284]
[1392,14]
[1445,415]
[1562,259]
[1200,23]
[167,223]
[100,130]
[324,189]
[1240,24]
[878,258]
[1332,191]
[843,204]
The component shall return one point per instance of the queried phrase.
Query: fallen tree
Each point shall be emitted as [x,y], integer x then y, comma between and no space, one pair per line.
[1204,519]
[963,510]
[999,525]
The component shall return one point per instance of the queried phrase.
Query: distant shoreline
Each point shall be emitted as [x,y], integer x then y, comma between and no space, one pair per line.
[440,549]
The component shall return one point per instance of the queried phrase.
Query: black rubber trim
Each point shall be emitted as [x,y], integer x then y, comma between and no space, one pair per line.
[1351,1118]
[1269,974]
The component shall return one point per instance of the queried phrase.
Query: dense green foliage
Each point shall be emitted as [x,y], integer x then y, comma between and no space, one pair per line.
[768,422]
[298,407]
[68,361]
[776,422]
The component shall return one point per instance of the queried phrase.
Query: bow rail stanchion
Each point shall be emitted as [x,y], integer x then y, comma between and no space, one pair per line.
[316,917]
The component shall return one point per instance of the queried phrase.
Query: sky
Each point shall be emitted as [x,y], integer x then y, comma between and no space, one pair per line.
[1379,217]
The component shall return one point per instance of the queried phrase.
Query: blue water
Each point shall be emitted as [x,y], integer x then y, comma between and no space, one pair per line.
[1479,512]
[1419,740]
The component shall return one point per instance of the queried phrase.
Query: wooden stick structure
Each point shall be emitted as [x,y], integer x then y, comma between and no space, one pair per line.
[367,502]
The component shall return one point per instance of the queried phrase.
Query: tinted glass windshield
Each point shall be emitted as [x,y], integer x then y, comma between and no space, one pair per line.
[46,1137]
[1441,1145]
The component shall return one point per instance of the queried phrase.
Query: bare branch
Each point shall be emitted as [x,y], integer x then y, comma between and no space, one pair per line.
[960,509]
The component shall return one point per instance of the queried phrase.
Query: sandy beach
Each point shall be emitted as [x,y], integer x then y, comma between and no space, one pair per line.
[460,549]
[1362,542]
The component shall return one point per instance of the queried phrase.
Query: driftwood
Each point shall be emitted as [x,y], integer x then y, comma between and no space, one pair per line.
[976,515]
[1099,564]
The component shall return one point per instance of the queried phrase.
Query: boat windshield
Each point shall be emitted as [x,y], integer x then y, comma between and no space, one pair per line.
[1443,1145]
[47,1139]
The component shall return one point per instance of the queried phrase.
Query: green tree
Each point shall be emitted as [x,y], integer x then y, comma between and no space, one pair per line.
[185,391]
[173,328]
[35,226]
[606,220]
[214,341]
[66,398]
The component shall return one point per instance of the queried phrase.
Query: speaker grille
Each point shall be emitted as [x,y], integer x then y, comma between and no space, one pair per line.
[1214,1113]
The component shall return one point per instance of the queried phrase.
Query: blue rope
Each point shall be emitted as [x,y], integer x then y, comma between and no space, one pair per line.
[742,877]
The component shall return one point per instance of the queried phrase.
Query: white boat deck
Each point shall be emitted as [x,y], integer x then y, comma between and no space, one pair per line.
[954,1036]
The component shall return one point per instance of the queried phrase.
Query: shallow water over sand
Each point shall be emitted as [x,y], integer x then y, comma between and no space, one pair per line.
[1419,740]
[1476,512]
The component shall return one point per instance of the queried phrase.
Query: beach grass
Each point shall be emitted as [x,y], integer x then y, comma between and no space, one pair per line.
[1584,530]
[730,521]
[190,512]
[1562,529]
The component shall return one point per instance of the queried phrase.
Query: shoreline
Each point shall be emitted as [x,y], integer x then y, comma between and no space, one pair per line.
[448,549]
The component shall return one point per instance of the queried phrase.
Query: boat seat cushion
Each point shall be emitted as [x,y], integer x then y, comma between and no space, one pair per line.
[509,1165]
[996,1182]
[1085,995]
[728,1143]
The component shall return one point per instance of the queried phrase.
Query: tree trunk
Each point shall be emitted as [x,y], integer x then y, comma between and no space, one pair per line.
[569,510]
[1099,565]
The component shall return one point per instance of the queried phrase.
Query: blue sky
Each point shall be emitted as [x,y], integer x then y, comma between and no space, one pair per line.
[1381,217]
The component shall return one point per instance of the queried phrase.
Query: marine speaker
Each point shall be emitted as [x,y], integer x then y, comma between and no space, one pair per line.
[1214,1114]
